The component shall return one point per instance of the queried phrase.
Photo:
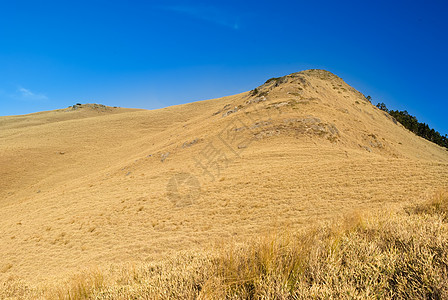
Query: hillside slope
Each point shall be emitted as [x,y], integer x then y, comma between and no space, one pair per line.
[94,186]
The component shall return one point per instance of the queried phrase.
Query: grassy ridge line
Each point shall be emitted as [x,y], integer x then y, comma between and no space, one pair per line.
[396,255]
[412,124]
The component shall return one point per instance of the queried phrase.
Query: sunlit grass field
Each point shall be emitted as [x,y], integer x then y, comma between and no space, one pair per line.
[301,188]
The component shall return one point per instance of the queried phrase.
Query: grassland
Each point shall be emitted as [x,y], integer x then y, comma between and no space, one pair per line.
[399,254]
[91,188]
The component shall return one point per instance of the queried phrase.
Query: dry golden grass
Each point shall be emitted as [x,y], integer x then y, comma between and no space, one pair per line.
[89,188]
[393,255]
[435,205]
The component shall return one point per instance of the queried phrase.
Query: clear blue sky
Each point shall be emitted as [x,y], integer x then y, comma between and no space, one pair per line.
[151,54]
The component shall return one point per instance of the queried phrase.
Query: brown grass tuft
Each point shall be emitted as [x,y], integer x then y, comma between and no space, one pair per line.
[438,204]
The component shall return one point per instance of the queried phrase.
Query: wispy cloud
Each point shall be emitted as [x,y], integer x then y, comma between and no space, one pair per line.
[27,94]
[207,13]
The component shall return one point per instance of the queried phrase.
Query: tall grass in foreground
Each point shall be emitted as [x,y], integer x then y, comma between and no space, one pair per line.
[394,255]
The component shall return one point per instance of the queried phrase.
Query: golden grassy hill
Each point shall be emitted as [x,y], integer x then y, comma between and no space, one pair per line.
[94,186]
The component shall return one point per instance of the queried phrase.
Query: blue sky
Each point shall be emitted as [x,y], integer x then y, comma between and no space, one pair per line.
[152,54]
